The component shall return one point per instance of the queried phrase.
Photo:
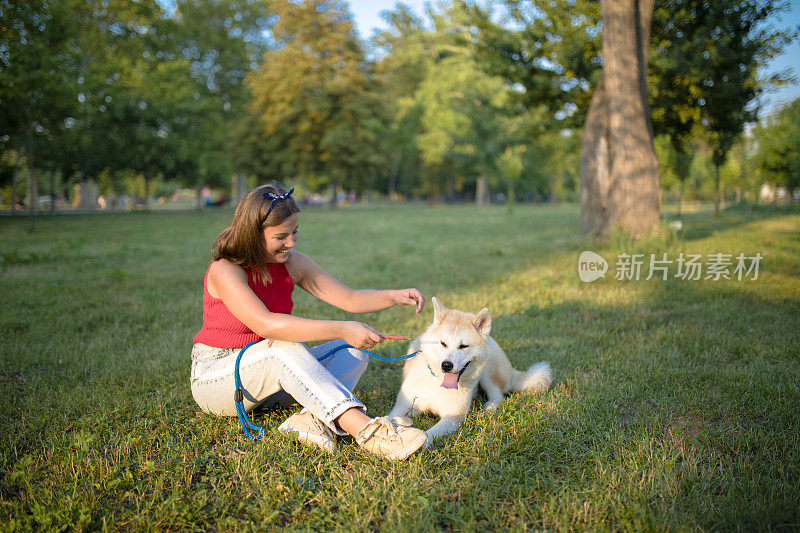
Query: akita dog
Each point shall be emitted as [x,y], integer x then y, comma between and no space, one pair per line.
[456,355]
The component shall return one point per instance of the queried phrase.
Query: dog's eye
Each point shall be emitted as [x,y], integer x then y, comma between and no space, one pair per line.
[444,344]
[462,346]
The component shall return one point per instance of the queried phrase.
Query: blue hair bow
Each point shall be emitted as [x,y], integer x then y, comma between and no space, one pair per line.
[276,198]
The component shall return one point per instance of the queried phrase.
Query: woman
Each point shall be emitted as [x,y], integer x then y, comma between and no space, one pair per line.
[247,297]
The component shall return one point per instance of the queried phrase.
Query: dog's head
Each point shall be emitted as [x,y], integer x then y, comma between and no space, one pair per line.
[454,343]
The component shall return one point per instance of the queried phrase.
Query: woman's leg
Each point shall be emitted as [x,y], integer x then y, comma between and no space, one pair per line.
[265,370]
[347,364]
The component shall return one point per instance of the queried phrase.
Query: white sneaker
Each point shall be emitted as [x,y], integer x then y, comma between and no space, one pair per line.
[309,430]
[391,438]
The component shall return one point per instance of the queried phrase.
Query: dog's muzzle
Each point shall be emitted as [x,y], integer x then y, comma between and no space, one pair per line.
[451,380]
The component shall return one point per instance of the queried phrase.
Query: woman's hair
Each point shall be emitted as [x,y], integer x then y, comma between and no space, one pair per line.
[242,243]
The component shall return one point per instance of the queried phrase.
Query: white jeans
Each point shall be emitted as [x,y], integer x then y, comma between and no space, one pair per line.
[280,375]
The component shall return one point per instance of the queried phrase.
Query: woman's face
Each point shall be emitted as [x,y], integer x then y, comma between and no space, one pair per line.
[281,239]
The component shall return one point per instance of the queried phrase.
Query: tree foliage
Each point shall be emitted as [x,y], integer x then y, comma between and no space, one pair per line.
[122,85]
[777,158]
[124,90]
[315,111]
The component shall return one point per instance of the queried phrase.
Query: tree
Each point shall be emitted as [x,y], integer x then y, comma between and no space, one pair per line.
[405,53]
[109,87]
[674,86]
[550,54]
[316,111]
[705,70]
[549,50]
[619,170]
[510,164]
[739,172]
[449,109]
[743,47]
[222,40]
[36,93]
[463,127]
[777,159]
[129,99]
[141,109]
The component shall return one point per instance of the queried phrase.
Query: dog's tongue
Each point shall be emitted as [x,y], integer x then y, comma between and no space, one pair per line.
[450,381]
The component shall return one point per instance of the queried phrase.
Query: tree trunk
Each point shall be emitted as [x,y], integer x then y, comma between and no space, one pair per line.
[52,192]
[393,173]
[15,178]
[146,190]
[619,169]
[241,187]
[680,199]
[481,191]
[451,190]
[595,164]
[716,191]
[33,186]
[333,190]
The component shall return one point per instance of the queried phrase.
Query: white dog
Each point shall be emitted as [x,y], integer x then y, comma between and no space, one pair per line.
[457,354]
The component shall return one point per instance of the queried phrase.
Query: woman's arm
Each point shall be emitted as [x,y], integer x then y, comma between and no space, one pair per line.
[311,277]
[367,301]
[229,282]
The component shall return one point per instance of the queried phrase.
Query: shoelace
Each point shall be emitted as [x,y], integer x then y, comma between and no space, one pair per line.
[376,424]
[322,428]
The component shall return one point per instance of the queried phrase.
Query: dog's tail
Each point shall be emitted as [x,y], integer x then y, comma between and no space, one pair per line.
[536,379]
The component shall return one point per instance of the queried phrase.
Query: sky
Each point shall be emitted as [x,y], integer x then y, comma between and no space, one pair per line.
[366,14]
[789,59]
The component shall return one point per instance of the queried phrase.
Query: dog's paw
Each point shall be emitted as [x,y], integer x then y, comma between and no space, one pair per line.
[491,406]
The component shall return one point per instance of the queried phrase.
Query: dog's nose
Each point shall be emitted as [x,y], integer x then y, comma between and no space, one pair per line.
[447,366]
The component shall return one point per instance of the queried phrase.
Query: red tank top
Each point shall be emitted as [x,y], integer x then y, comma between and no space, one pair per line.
[223,330]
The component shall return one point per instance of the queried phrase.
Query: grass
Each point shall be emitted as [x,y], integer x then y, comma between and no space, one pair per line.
[675,405]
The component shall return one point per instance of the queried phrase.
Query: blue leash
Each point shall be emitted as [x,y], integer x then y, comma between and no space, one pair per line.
[238,396]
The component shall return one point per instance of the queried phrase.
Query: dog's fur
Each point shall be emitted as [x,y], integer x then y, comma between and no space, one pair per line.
[462,343]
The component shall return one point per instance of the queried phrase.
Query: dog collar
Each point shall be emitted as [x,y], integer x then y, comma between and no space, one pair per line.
[430,369]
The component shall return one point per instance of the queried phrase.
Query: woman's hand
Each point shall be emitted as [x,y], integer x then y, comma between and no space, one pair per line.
[361,336]
[409,297]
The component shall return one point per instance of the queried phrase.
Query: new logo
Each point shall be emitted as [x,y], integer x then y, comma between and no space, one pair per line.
[591,266]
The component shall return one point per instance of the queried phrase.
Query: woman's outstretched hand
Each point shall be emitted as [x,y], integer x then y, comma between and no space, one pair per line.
[409,297]
[361,336]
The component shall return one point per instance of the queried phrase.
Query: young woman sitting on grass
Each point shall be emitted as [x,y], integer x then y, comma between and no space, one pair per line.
[248,297]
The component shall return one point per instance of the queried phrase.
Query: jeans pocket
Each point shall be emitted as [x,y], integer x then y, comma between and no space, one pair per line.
[201,353]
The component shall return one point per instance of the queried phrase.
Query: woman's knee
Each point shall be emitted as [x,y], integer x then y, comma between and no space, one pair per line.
[360,358]
[352,358]
[287,351]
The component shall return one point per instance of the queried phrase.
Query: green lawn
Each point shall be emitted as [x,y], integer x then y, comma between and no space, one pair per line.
[675,406]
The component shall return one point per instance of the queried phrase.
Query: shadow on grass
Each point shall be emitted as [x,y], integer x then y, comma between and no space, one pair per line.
[689,391]
[674,405]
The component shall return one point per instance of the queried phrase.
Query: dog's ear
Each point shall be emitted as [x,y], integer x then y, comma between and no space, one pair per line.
[483,322]
[439,310]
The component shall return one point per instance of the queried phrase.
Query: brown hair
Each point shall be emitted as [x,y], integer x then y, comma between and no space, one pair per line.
[242,243]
